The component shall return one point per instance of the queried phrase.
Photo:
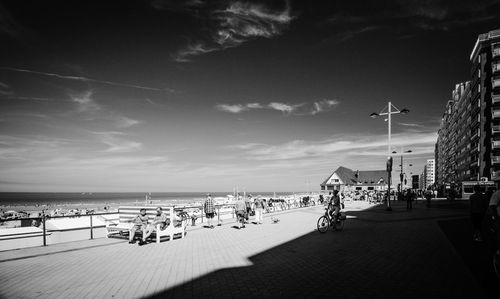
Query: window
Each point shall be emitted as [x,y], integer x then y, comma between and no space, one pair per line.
[336,180]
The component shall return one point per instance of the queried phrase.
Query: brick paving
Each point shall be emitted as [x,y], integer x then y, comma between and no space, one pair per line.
[379,254]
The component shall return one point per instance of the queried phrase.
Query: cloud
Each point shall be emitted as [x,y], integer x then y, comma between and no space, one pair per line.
[405,15]
[285,108]
[297,109]
[411,125]
[323,105]
[191,50]
[116,143]
[231,108]
[84,79]
[85,102]
[369,145]
[125,122]
[5,89]
[237,23]
[92,110]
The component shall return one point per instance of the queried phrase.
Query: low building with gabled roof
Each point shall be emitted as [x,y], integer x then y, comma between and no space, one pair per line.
[345,179]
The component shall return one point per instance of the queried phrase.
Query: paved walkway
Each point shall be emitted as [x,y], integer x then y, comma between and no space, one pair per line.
[378,255]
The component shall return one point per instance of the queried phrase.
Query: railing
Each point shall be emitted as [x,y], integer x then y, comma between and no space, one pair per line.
[496,67]
[43,219]
[496,52]
[496,144]
[276,206]
[495,159]
[495,129]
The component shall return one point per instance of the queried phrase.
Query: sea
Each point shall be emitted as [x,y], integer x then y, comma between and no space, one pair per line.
[98,199]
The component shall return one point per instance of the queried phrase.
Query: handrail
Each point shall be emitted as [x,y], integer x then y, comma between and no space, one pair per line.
[283,205]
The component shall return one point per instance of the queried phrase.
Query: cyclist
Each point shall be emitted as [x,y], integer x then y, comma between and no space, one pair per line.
[334,205]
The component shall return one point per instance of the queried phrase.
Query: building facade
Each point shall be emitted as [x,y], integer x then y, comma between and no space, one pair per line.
[430,172]
[468,144]
[345,179]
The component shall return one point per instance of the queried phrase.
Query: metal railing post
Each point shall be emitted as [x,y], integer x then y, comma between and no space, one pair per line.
[202,211]
[44,230]
[218,215]
[91,229]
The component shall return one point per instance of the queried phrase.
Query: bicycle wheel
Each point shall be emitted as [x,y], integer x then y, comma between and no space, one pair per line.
[323,224]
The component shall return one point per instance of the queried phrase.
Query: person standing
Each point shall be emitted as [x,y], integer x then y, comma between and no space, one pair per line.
[259,210]
[477,210]
[240,209]
[209,208]
[409,199]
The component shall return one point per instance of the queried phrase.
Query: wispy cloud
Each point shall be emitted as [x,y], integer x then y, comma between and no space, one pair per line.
[411,125]
[405,15]
[235,24]
[5,89]
[421,143]
[85,79]
[117,144]
[237,108]
[323,106]
[286,108]
[92,110]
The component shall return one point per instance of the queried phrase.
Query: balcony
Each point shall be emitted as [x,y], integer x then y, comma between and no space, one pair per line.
[496,68]
[495,83]
[496,52]
[495,98]
[474,136]
[495,144]
[496,114]
[495,160]
[495,129]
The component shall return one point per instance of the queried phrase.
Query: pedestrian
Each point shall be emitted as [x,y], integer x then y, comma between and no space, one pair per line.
[259,210]
[477,211]
[240,209]
[209,207]
[428,196]
[409,199]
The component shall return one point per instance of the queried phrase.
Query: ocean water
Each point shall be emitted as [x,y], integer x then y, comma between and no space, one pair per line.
[107,198]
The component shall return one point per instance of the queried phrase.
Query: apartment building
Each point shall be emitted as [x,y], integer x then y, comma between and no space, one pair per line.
[468,144]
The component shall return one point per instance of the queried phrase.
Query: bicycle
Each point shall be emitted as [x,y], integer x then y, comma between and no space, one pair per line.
[326,221]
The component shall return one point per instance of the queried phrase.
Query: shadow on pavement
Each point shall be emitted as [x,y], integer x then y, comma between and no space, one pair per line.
[477,256]
[365,260]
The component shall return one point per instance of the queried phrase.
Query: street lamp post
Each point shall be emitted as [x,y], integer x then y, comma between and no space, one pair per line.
[389,112]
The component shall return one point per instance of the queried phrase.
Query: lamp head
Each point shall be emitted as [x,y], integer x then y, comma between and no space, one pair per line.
[374,115]
[405,111]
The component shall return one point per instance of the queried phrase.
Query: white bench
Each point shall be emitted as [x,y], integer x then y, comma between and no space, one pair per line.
[128,213]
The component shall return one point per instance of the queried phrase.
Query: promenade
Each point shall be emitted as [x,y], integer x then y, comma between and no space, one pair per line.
[424,253]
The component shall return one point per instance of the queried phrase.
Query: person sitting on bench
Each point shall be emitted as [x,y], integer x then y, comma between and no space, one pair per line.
[161,219]
[140,224]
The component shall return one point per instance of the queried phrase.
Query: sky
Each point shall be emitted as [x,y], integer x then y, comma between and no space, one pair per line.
[159,95]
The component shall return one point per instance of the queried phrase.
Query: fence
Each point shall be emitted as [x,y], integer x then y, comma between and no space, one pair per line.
[223,210]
